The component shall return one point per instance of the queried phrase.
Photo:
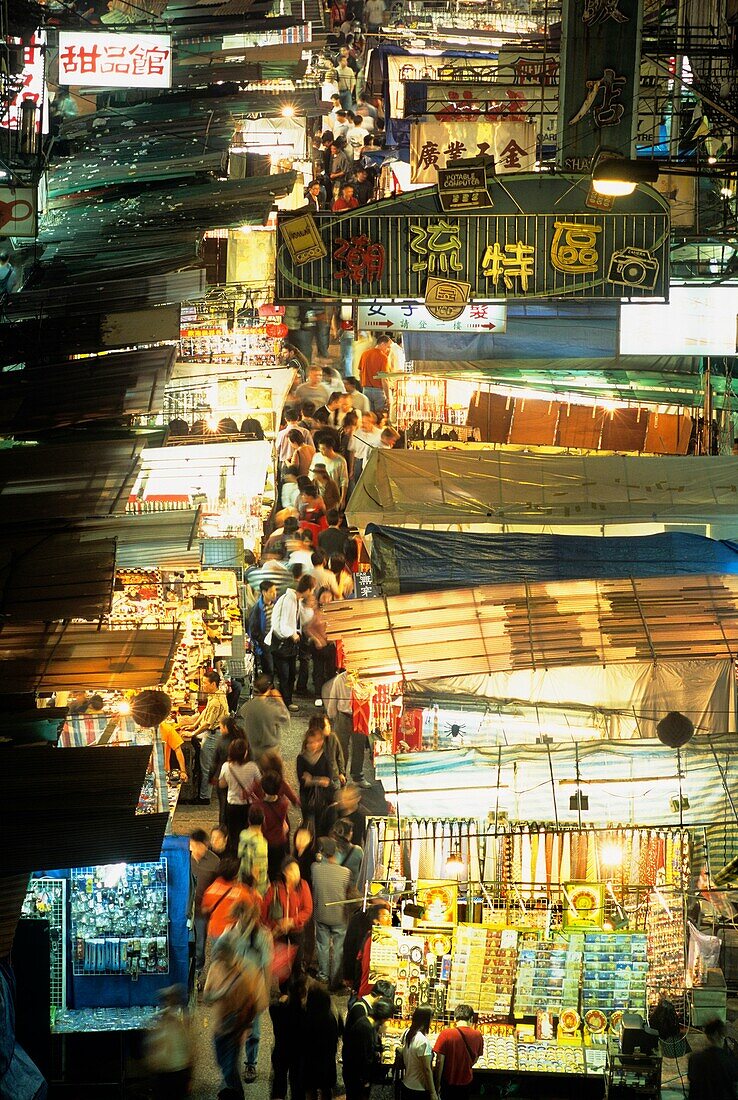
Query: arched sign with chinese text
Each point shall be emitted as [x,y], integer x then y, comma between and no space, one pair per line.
[537,236]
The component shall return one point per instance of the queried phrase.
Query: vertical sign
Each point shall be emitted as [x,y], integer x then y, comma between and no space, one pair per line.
[32,87]
[598,97]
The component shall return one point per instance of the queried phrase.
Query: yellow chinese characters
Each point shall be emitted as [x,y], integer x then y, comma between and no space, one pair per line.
[574,248]
[516,261]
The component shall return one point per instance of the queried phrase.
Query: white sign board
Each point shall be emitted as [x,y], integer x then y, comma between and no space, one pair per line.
[103,59]
[412,316]
[33,87]
[695,321]
[17,212]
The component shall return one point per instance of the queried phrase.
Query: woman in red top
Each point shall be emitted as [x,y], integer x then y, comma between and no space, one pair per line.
[223,895]
[287,908]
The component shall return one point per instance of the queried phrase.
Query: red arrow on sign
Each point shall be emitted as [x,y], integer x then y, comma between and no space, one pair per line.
[387,324]
[489,325]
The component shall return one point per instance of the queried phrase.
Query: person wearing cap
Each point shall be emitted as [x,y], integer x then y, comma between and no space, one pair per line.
[362,1044]
[331,883]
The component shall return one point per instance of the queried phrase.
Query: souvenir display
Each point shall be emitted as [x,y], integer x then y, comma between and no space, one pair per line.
[119,919]
[665,929]
[483,969]
[615,969]
[548,974]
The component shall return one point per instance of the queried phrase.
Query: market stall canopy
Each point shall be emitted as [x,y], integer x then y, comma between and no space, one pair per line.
[407,560]
[583,701]
[628,783]
[148,540]
[71,480]
[500,628]
[668,380]
[89,802]
[73,392]
[143,291]
[61,656]
[552,492]
[56,578]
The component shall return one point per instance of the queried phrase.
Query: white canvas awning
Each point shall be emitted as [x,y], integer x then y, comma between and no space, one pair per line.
[512,490]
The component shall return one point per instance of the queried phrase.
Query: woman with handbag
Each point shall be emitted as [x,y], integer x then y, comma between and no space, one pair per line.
[238,775]
[286,909]
[316,771]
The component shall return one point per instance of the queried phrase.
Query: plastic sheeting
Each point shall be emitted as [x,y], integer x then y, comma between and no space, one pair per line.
[407,560]
[547,492]
[631,698]
[626,784]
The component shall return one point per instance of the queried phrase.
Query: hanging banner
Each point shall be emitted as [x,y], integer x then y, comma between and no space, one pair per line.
[437,143]
[421,67]
[410,316]
[600,58]
[537,240]
[32,87]
[103,59]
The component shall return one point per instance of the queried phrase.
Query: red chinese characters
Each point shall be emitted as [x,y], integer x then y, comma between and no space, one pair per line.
[358,259]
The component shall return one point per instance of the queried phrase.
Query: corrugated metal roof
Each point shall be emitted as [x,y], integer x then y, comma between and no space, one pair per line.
[140,292]
[154,214]
[89,801]
[56,578]
[65,656]
[499,628]
[152,540]
[67,479]
[62,394]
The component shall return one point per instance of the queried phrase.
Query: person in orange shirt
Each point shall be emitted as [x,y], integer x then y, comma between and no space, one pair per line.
[374,361]
[223,895]
[173,744]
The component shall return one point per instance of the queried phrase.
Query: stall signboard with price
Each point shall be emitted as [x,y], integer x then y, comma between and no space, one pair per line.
[536,238]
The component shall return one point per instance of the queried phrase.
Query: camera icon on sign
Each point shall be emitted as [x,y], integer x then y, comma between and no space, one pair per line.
[633,267]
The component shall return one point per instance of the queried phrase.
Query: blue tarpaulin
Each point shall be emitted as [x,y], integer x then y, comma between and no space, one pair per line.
[406,560]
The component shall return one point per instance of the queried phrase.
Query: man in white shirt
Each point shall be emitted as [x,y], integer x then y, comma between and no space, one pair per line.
[359,400]
[304,556]
[357,449]
[314,389]
[374,14]
[289,616]
[355,136]
[335,466]
[292,423]
[337,703]
[370,433]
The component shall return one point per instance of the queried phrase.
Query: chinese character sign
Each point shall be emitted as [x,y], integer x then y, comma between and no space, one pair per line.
[456,258]
[107,60]
[441,142]
[32,87]
[598,97]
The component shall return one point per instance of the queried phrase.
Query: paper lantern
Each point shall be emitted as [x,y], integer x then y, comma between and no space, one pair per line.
[277,330]
[675,730]
[149,708]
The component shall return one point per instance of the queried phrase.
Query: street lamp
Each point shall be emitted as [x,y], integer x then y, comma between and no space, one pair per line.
[617,176]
